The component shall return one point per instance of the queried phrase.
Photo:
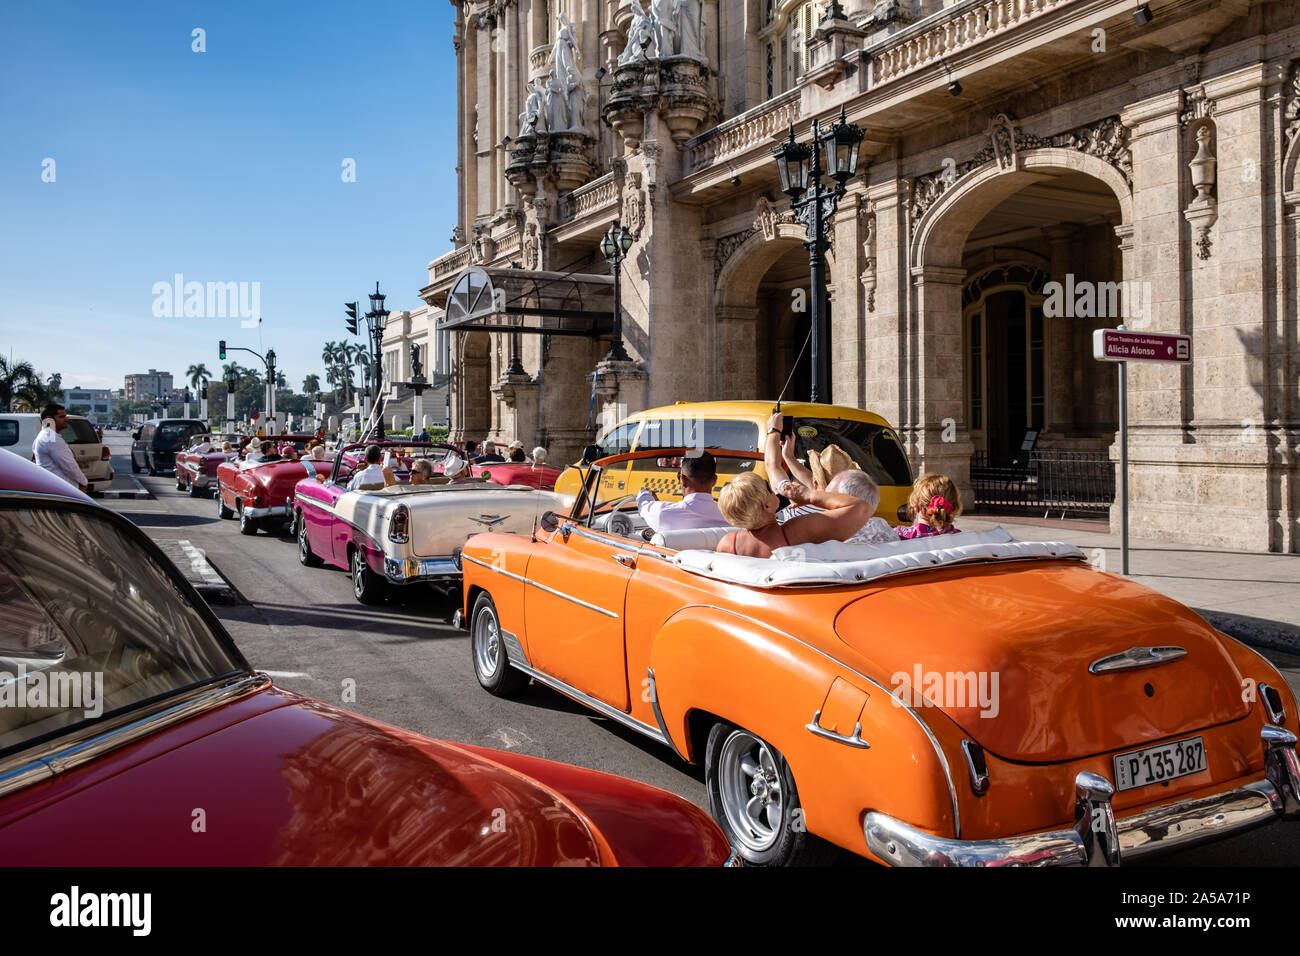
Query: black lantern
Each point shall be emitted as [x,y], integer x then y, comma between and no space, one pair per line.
[792,166]
[840,148]
[614,246]
[800,170]
[377,308]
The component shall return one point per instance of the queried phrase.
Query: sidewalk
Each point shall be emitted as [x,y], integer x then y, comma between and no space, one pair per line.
[1252,596]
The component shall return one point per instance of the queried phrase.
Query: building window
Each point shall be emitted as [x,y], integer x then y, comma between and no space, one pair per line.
[771,78]
[802,26]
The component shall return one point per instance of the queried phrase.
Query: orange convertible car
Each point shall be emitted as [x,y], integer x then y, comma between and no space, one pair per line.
[953,700]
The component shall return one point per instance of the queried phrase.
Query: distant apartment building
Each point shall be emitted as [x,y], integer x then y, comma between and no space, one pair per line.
[95,403]
[150,384]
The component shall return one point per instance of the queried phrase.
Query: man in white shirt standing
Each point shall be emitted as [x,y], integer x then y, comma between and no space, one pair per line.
[697,509]
[52,453]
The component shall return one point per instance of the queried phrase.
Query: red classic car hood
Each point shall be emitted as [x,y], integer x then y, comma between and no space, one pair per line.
[1005,651]
[280,477]
[302,784]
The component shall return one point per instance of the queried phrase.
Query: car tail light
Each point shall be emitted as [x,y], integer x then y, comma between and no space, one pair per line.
[258,501]
[1273,703]
[105,455]
[399,526]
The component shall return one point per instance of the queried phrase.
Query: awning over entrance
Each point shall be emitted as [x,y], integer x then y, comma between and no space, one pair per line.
[520,300]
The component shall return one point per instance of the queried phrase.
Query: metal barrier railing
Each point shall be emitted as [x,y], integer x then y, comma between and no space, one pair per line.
[1048,481]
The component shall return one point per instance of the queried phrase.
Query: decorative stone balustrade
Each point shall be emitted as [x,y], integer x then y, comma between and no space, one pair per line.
[949,32]
[595,195]
[450,264]
[743,132]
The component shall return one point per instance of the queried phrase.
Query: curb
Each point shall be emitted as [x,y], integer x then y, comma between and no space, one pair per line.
[118,493]
[193,563]
[1255,631]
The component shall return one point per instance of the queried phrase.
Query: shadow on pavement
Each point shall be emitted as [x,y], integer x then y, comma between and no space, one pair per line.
[1257,631]
[143,519]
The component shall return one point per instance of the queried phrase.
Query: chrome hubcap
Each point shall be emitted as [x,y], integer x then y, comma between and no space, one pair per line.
[358,573]
[750,789]
[302,537]
[487,644]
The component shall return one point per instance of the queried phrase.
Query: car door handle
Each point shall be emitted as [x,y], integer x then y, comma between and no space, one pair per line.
[627,560]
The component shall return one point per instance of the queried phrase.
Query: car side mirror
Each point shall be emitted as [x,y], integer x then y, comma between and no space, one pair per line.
[550,521]
[591,453]
[136,434]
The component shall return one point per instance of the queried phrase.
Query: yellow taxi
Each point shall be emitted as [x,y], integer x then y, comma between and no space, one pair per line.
[741,426]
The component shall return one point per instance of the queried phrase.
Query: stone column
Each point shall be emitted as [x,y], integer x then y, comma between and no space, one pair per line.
[736,367]
[847,326]
[513,51]
[884,340]
[938,381]
[479,122]
[1061,341]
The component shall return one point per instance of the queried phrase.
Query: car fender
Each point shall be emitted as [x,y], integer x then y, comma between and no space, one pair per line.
[498,564]
[772,684]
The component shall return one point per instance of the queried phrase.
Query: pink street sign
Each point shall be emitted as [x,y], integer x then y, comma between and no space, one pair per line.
[1114,345]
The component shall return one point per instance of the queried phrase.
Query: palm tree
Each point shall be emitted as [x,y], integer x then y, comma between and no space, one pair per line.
[199,376]
[13,376]
[35,394]
[311,385]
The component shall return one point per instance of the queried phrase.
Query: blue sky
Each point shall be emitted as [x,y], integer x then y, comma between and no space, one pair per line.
[223,166]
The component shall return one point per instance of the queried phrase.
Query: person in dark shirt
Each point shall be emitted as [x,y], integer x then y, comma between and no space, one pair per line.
[489,454]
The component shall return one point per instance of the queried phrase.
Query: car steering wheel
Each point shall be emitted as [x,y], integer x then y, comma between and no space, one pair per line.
[618,523]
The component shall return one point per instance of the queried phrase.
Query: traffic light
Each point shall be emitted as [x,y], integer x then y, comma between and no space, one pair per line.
[352,317]
[221,350]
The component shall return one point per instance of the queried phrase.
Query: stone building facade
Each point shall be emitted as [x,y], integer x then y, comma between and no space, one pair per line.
[1031,170]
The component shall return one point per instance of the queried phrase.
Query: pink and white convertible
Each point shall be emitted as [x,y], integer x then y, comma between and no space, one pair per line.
[405,533]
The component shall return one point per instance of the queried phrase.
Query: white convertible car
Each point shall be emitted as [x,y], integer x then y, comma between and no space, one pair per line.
[405,533]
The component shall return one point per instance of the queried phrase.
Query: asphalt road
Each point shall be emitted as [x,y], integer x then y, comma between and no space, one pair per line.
[409,668]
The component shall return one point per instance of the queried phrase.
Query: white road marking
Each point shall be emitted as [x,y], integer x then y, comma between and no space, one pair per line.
[512,738]
[284,675]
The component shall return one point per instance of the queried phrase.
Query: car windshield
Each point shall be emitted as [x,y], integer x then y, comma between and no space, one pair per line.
[874,447]
[697,433]
[80,432]
[171,434]
[90,626]
[619,484]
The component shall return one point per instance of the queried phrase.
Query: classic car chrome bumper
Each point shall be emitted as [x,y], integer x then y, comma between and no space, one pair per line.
[277,511]
[1098,838]
[414,570]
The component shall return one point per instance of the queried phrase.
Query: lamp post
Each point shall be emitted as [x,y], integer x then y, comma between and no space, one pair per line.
[614,246]
[232,383]
[186,412]
[377,321]
[270,387]
[839,144]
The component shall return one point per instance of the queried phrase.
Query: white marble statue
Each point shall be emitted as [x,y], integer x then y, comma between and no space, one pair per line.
[642,42]
[566,94]
[665,28]
[533,107]
[688,18]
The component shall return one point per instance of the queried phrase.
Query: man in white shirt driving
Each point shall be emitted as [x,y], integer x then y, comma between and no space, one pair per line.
[373,473]
[697,509]
[52,453]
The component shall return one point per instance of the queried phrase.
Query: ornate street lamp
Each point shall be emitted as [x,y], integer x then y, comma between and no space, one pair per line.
[378,320]
[834,152]
[614,246]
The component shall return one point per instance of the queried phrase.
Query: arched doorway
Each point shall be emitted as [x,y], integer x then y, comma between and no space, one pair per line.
[986,254]
[763,315]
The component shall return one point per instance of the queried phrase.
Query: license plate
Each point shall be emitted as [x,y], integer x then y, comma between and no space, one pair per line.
[1138,768]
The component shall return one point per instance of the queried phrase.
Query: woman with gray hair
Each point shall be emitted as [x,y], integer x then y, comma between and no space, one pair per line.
[539,457]
[860,485]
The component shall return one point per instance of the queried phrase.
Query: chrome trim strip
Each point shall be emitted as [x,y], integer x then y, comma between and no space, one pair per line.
[856,740]
[615,541]
[300,500]
[659,714]
[514,648]
[1281,767]
[540,587]
[934,742]
[1134,658]
[76,754]
[979,782]
[1163,829]
[595,704]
